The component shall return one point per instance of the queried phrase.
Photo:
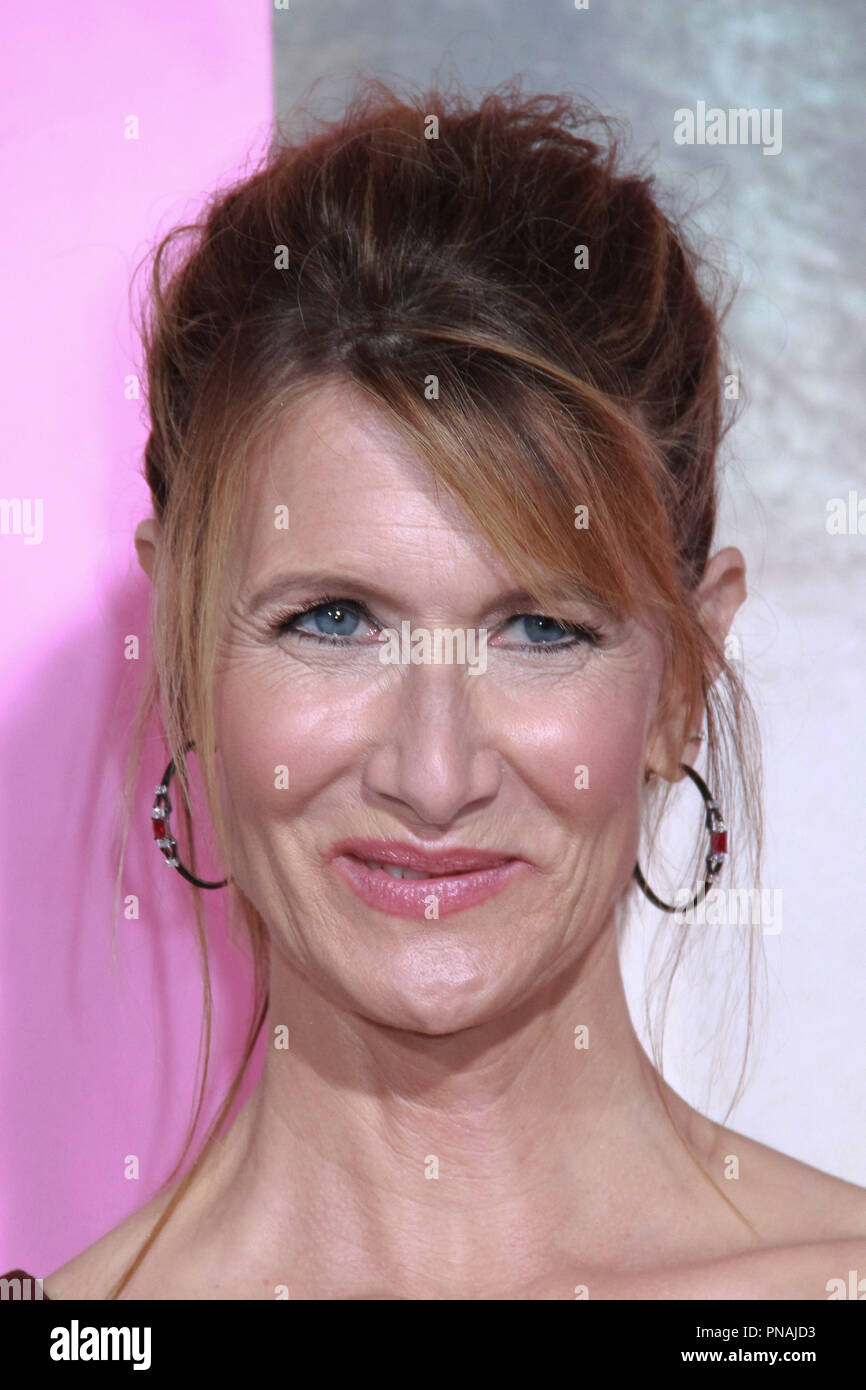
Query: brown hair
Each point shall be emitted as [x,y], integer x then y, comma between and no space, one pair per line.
[426,249]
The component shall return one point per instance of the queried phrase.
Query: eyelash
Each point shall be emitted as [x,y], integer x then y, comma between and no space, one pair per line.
[582,633]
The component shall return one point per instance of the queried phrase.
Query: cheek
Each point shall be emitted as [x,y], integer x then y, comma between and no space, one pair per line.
[280,743]
[583,751]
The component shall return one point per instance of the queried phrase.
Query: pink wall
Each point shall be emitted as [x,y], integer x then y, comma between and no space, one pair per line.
[97,1060]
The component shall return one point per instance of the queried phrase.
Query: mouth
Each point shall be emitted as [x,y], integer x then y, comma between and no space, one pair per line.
[407,882]
[421,863]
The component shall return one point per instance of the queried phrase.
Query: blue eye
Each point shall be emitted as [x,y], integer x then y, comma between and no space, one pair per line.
[551,631]
[334,619]
[546,630]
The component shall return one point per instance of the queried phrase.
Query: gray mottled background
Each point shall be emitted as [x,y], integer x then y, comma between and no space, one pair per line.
[789,228]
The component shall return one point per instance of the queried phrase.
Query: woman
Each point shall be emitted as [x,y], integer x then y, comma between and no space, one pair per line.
[441,368]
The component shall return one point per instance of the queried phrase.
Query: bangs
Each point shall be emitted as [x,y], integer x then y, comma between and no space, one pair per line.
[561,481]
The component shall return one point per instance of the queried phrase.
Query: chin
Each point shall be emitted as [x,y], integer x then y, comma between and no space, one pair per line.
[439,993]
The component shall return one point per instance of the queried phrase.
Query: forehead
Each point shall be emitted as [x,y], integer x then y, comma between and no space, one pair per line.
[355,492]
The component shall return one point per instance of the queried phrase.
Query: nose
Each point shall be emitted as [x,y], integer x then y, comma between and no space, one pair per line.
[437,757]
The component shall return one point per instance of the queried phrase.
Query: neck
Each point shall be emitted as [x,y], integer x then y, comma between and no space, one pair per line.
[472,1161]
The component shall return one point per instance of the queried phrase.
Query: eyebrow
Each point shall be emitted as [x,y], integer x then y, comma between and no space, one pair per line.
[327,581]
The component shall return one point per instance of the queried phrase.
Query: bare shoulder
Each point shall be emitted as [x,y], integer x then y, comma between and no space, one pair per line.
[92,1273]
[789,1202]
[803,1236]
[808,1237]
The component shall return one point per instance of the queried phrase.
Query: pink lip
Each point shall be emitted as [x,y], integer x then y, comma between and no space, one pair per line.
[460,878]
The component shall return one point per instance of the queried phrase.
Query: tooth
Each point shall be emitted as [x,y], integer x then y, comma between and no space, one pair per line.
[396,871]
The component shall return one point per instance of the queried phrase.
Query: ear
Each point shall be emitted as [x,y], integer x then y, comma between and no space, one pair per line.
[718,597]
[146,541]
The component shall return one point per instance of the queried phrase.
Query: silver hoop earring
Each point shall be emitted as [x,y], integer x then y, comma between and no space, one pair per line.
[715,857]
[165,841]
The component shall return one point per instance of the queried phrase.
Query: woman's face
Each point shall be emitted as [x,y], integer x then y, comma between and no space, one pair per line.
[322,741]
